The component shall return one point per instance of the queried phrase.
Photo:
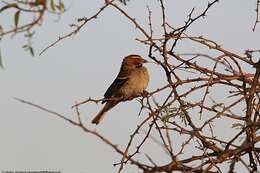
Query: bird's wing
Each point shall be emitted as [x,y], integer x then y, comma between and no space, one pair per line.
[115,86]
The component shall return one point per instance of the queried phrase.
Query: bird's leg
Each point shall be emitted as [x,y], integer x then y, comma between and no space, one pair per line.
[145,93]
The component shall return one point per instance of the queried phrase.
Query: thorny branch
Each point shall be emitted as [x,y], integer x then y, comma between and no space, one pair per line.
[77,27]
[28,14]
[203,90]
[36,9]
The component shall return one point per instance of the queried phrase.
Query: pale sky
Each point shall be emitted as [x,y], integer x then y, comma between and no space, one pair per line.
[85,65]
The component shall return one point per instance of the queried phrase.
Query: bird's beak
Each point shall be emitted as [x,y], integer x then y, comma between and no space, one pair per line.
[144,61]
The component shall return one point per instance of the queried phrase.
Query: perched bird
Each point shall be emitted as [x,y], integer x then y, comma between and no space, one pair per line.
[130,83]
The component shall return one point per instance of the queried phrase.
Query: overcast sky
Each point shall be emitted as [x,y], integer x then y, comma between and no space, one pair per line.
[85,65]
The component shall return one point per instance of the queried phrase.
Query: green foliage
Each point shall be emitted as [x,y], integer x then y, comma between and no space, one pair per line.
[16,18]
[52,5]
[35,13]
[124,1]
[1,61]
[12,5]
[238,126]
[58,8]
[1,31]
[168,112]
[28,46]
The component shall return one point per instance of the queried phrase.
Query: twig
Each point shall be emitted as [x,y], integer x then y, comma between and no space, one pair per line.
[84,21]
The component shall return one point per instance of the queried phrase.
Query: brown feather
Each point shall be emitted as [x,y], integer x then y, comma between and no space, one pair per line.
[101,114]
[130,83]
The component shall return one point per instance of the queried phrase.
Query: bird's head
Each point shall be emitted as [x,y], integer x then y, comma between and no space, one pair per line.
[133,61]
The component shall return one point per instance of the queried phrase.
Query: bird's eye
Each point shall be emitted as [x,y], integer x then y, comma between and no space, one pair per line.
[139,65]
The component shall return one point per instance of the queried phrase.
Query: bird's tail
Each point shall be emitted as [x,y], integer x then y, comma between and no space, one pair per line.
[103,111]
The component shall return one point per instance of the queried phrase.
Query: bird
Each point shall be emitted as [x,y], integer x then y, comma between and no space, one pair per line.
[131,82]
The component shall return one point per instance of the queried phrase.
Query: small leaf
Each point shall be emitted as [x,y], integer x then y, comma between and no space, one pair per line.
[1,62]
[124,1]
[61,6]
[52,5]
[25,46]
[1,32]
[165,118]
[218,105]
[237,126]
[16,18]
[31,51]
[12,5]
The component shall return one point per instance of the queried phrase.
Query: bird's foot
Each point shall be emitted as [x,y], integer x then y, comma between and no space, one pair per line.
[145,94]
